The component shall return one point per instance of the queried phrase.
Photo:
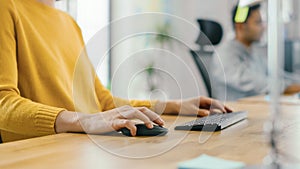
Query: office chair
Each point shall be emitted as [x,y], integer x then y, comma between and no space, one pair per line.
[211,34]
[203,71]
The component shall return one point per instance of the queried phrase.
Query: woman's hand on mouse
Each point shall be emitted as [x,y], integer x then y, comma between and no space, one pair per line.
[120,117]
[201,106]
[107,121]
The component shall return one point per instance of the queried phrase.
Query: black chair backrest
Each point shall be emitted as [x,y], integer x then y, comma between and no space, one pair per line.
[211,32]
[203,71]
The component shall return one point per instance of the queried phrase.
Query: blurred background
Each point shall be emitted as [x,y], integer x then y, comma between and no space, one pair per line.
[135,59]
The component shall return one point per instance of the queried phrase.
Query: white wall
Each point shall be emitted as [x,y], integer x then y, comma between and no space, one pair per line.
[219,11]
[93,19]
[134,53]
[292,27]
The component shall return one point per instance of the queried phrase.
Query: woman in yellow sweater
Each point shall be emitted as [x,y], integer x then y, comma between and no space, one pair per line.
[39,49]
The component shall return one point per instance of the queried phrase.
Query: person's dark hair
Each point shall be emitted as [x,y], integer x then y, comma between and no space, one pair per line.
[251,8]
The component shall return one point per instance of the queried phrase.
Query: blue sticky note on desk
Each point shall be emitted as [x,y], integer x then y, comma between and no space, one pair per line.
[209,162]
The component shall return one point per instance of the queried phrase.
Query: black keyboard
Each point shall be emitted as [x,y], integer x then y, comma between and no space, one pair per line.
[213,122]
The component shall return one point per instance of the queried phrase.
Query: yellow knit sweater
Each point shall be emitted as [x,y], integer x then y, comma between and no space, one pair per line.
[44,70]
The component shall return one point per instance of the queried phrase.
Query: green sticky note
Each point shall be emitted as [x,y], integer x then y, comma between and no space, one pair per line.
[209,162]
[241,14]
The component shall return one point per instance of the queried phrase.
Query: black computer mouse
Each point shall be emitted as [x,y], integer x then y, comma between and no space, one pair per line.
[142,130]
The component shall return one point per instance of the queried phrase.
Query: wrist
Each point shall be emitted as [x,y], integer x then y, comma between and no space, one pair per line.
[175,106]
[67,121]
[167,107]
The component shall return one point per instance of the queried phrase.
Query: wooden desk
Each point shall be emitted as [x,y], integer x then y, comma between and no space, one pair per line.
[284,99]
[245,142]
